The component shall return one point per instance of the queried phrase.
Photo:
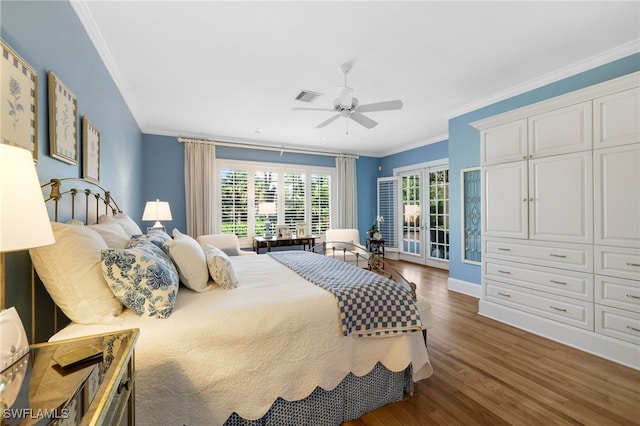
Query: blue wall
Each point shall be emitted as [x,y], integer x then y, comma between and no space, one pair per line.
[49,36]
[464,143]
[423,154]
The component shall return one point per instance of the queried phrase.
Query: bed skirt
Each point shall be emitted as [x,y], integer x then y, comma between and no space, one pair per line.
[352,398]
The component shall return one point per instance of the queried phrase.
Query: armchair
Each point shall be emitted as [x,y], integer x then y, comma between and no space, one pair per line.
[228,243]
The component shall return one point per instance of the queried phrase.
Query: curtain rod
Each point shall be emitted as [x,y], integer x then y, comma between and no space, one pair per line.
[268,148]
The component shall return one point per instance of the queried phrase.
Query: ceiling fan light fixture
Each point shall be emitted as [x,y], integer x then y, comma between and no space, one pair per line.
[345,96]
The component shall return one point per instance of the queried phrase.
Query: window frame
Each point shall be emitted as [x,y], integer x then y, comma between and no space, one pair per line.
[280,169]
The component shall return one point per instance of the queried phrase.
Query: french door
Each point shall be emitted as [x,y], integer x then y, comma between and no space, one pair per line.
[424,201]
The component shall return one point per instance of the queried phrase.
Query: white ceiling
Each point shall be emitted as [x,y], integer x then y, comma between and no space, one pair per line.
[223,70]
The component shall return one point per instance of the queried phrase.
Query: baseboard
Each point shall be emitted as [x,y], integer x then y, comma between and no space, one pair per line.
[597,344]
[464,287]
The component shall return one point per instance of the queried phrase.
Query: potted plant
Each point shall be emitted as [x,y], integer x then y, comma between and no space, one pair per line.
[373,229]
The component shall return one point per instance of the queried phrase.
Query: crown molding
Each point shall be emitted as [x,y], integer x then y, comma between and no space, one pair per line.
[82,10]
[603,58]
[409,147]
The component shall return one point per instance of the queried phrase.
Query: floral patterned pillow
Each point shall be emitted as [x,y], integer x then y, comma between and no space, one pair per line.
[142,277]
[156,236]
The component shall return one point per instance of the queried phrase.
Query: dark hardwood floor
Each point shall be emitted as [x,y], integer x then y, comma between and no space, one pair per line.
[488,373]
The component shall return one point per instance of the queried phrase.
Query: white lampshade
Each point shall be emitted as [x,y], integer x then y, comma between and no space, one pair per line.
[267,208]
[24,222]
[156,211]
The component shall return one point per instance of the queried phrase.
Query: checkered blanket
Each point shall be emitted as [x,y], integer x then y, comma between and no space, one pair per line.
[370,304]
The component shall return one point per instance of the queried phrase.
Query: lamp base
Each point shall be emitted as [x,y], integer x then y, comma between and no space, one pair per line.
[157,227]
[267,229]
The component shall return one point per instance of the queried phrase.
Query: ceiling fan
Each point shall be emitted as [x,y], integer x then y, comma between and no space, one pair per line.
[348,106]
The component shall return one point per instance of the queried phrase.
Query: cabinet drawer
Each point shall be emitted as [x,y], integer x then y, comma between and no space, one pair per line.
[618,292]
[115,412]
[576,257]
[574,312]
[618,262]
[552,280]
[618,323]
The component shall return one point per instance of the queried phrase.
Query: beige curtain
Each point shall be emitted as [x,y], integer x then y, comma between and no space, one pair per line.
[347,211]
[199,182]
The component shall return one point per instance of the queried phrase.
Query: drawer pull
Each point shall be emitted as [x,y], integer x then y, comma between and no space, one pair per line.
[557,309]
[504,294]
[557,282]
[633,328]
[504,249]
[124,384]
[633,264]
[633,296]
[558,255]
[503,272]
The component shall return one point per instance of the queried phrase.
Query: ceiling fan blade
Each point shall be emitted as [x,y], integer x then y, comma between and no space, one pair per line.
[380,106]
[363,120]
[327,122]
[312,109]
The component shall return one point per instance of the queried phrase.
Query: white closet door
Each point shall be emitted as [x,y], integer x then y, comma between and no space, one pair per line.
[504,200]
[504,143]
[561,131]
[617,196]
[617,119]
[561,198]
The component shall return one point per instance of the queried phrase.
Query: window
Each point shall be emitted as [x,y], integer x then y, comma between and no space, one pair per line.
[294,198]
[300,194]
[471,207]
[320,203]
[234,201]
[265,190]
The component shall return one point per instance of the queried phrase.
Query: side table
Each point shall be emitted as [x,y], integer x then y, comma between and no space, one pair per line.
[94,392]
[376,247]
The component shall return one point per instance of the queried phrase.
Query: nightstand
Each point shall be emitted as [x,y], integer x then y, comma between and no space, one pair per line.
[98,392]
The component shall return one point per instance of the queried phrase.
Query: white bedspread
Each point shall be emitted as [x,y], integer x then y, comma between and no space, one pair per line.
[238,350]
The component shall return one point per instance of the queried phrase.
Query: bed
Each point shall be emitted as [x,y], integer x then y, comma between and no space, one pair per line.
[273,349]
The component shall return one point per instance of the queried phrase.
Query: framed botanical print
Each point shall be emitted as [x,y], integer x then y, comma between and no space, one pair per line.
[63,121]
[90,151]
[19,97]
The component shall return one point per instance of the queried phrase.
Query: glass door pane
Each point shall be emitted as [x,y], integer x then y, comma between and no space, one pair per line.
[411,243]
[439,214]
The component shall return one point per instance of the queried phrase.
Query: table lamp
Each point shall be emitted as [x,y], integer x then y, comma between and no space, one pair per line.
[24,221]
[267,209]
[157,210]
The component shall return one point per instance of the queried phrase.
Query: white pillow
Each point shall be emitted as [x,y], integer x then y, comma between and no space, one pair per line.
[70,270]
[220,267]
[113,234]
[189,258]
[129,226]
